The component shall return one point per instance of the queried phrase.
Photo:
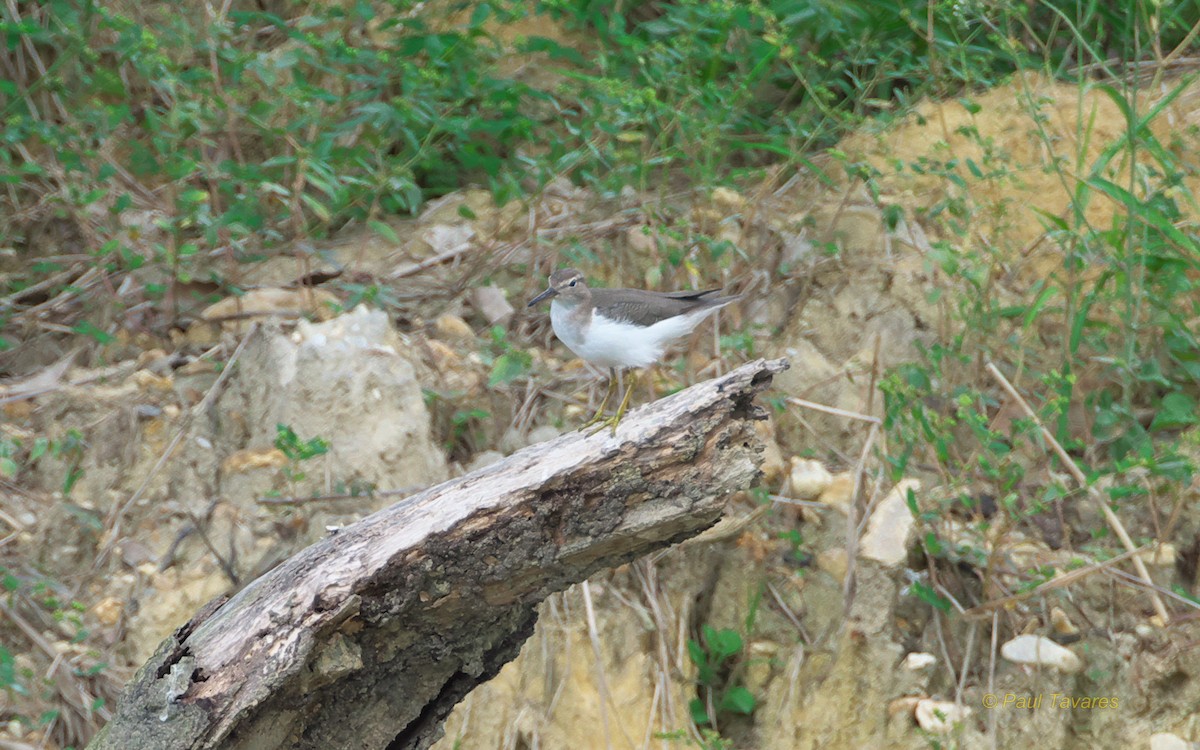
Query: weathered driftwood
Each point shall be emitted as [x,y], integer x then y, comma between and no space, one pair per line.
[368,638]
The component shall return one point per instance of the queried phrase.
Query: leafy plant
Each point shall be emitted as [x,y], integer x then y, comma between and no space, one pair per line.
[297,451]
[508,361]
[713,656]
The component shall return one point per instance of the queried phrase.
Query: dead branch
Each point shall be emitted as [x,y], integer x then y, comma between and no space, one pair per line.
[368,638]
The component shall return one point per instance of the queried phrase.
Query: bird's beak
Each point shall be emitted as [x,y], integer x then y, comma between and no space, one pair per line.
[544,295]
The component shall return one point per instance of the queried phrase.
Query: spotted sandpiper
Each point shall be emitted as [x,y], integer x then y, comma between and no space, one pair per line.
[621,327]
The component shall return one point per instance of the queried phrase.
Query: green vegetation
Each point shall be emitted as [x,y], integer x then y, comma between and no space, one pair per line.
[713,657]
[297,451]
[1104,343]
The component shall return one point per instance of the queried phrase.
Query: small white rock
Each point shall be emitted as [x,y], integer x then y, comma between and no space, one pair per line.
[939,717]
[891,527]
[542,433]
[1062,624]
[1168,741]
[808,478]
[1036,649]
[1162,556]
[491,304]
[728,199]
[487,458]
[918,660]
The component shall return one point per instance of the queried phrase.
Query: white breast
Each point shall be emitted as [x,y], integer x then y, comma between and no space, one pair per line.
[612,343]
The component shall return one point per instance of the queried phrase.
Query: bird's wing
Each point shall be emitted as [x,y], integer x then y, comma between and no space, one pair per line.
[647,308]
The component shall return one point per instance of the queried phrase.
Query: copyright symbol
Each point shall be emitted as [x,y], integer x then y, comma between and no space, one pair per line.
[990,701]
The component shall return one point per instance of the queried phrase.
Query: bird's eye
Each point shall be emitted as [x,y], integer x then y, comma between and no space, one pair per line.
[572,283]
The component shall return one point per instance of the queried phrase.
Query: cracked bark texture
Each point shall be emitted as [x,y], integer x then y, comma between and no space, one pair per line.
[368,638]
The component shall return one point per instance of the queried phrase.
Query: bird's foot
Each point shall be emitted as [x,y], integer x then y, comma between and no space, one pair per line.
[615,419]
[597,418]
[600,424]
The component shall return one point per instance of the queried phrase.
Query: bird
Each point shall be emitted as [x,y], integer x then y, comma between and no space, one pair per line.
[621,328]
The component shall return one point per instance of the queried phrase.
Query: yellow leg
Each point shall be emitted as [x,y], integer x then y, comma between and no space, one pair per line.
[612,388]
[614,420]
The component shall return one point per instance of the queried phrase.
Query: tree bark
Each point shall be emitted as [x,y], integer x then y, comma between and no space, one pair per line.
[369,637]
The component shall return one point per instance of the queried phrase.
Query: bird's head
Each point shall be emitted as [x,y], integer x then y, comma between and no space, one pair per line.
[568,285]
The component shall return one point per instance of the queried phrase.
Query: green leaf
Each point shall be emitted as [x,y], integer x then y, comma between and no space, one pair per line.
[320,209]
[509,366]
[698,711]
[8,671]
[738,700]
[193,196]
[85,328]
[723,643]
[1176,410]
[926,594]
[385,231]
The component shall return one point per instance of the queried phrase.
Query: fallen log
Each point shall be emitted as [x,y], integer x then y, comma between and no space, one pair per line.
[369,637]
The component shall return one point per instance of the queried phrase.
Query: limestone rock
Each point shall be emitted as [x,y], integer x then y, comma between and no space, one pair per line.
[236,312]
[891,528]
[1062,624]
[450,327]
[542,433]
[918,660]
[773,465]
[1161,556]
[840,492]
[492,304]
[1036,649]
[808,479]
[728,199]
[939,717]
[486,458]
[1168,741]
[834,562]
[347,382]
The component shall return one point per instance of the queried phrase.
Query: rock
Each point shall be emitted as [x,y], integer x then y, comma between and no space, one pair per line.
[251,458]
[456,374]
[808,478]
[918,660]
[486,458]
[491,303]
[542,433]
[236,312]
[905,705]
[442,238]
[344,381]
[939,717]
[834,562]
[1062,624]
[773,465]
[1168,741]
[1162,556]
[1036,649]
[108,610]
[512,441]
[890,530]
[840,492]
[171,597]
[450,327]
[728,199]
